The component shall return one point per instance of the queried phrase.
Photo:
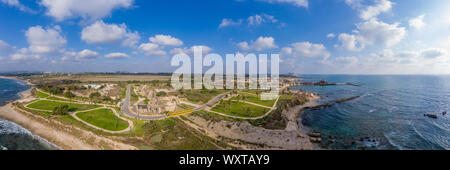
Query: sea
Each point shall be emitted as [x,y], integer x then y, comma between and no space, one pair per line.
[12,135]
[388,115]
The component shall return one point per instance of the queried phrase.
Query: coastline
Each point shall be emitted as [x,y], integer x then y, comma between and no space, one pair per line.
[65,137]
[68,137]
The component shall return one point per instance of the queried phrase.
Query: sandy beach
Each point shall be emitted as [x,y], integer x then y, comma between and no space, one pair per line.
[65,136]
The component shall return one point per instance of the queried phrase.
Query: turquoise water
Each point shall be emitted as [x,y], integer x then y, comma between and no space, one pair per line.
[388,115]
[13,136]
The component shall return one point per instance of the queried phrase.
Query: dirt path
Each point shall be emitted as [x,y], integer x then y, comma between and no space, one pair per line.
[292,138]
[65,136]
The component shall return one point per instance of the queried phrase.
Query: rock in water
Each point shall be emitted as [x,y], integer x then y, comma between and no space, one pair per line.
[314,135]
[431,116]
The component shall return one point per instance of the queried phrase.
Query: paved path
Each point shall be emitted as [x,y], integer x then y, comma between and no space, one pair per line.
[126,108]
[245,118]
[104,106]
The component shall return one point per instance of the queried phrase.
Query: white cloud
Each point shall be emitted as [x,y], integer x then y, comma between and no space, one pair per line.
[117,55]
[367,12]
[417,23]
[190,51]
[243,45]
[262,43]
[229,22]
[100,32]
[151,49]
[306,50]
[78,56]
[17,4]
[299,3]
[350,42]
[4,46]
[433,53]
[166,40]
[331,35]
[349,61]
[373,11]
[87,54]
[24,54]
[256,20]
[86,9]
[372,32]
[45,41]
[419,57]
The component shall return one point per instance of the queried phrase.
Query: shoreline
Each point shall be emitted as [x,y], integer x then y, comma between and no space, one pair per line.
[65,137]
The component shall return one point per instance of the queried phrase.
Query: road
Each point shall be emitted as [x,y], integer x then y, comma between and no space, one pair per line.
[126,108]
[211,102]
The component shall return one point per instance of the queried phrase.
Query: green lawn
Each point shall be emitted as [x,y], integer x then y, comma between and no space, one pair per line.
[41,95]
[104,118]
[200,96]
[50,105]
[240,109]
[60,99]
[256,99]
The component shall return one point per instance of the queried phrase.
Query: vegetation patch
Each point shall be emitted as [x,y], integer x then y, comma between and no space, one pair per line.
[60,99]
[235,108]
[104,118]
[254,99]
[41,95]
[175,135]
[199,96]
[50,105]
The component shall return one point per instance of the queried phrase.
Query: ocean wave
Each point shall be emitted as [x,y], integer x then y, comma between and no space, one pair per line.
[11,128]
[21,83]
[389,136]
[7,127]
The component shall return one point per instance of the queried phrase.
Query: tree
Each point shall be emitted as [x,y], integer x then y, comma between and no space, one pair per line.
[61,110]
[55,90]
[69,94]
[33,91]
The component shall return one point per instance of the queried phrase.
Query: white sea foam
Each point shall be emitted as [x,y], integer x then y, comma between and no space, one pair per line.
[8,128]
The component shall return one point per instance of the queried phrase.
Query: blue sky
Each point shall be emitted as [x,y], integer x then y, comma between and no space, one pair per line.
[311,36]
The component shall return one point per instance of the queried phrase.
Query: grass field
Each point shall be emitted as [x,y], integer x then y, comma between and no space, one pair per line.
[60,99]
[256,99]
[50,105]
[200,96]
[104,118]
[240,109]
[41,95]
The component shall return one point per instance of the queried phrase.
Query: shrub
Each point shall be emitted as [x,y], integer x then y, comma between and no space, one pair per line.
[161,93]
[61,110]
[69,94]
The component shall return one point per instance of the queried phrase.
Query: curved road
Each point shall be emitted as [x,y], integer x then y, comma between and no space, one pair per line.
[125,106]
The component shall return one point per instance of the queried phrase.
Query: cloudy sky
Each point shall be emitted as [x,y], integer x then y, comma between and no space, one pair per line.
[311,36]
